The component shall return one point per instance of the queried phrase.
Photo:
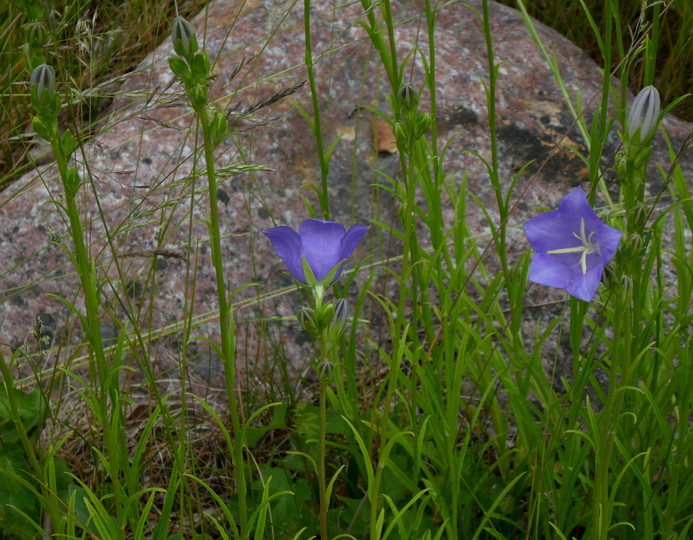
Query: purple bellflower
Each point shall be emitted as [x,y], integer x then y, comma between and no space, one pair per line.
[572,247]
[323,244]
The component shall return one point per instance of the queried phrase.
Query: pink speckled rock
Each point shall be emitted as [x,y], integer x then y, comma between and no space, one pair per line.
[151,250]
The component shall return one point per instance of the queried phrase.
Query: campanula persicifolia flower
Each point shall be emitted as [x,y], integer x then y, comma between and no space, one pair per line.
[323,244]
[572,247]
[643,115]
[42,83]
[184,38]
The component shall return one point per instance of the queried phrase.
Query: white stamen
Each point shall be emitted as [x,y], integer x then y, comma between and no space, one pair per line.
[588,247]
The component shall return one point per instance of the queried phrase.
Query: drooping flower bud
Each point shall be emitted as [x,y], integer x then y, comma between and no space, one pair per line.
[42,84]
[643,115]
[639,216]
[408,96]
[401,136]
[626,285]
[633,244]
[341,315]
[184,38]
[423,124]
[610,278]
[306,318]
[36,34]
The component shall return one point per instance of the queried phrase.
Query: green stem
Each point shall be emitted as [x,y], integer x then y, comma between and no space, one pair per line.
[610,415]
[105,388]
[324,166]
[226,321]
[322,480]
[493,169]
[391,386]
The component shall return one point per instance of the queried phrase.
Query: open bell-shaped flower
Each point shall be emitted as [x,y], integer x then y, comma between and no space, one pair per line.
[572,246]
[323,245]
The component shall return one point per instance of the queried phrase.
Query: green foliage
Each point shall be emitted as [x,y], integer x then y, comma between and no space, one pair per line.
[433,411]
[584,22]
[20,419]
[19,505]
[31,409]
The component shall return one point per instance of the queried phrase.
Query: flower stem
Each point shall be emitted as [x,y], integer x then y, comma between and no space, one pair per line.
[107,388]
[322,480]
[226,321]
[317,130]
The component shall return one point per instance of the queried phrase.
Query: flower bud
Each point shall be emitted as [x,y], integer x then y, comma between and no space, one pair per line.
[621,164]
[184,38]
[423,124]
[306,320]
[643,115]
[219,126]
[324,368]
[42,84]
[407,96]
[401,136]
[36,34]
[71,182]
[634,244]
[610,275]
[638,216]
[326,316]
[198,97]
[341,315]
[403,212]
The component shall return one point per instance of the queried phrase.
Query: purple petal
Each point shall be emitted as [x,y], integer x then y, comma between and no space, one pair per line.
[556,271]
[553,270]
[321,244]
[287,244]
[576,203]
[609,239]
[585,287]
[562,229]
[552,231]
[352,238]
[349,242]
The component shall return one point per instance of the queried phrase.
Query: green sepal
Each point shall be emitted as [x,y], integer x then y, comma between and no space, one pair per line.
[330,278]
[68,144]
[324,315]
[43,128]
[200,68]
[71,182]
[180,68]
[310,278]
[401,135]
[198,97]
[52,107]
[423,124]
[33,57]
[219,127]
[641,155]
